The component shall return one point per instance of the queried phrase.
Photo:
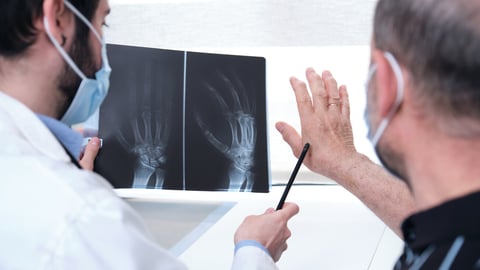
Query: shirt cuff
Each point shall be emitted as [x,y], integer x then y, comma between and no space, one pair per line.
[251,243]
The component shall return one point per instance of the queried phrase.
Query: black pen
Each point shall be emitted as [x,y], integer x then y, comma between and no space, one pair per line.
[292,177]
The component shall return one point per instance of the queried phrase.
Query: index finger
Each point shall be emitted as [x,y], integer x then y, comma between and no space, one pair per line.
[304,102]
[91,152]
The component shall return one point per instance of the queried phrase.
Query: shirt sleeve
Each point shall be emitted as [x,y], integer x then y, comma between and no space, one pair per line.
[110,235]
[252,243]
[253,256]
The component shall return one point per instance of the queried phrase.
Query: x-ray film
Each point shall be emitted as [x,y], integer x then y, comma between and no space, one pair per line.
[184,120]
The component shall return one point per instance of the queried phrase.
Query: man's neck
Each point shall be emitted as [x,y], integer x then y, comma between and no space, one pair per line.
[442,168]
[31,79]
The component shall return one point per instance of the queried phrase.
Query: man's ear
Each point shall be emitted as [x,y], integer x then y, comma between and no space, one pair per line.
[386,83]
[59,20]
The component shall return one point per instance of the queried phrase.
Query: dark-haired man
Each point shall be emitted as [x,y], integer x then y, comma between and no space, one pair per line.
[423,111]
[54,72]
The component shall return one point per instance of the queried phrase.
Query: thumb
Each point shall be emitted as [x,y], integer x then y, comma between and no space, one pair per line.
[290,136]
[90,153]
[289,210]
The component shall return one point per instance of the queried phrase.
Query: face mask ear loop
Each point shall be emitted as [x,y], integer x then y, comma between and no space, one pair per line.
[400,81]
[400,93]
[67,58]
[371,71]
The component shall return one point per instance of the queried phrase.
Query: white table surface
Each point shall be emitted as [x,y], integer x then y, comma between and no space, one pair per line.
[333,230]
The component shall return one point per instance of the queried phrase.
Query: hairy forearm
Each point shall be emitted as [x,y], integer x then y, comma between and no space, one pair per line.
[389,198]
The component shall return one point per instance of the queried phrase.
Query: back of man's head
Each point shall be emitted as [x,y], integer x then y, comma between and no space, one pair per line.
[17,31]
[438,41]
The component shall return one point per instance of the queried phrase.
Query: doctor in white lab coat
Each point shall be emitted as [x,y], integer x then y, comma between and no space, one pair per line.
[54,214]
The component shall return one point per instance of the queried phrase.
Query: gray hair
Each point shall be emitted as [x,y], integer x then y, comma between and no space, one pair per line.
[438,41]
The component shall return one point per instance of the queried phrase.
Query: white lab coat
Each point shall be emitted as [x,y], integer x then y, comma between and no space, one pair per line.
[55,216]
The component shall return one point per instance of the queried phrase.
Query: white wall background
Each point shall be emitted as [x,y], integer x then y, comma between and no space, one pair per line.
[240,23]
[291,35]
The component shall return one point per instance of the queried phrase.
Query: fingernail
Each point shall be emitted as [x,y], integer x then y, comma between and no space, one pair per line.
[327,73]
[95,141]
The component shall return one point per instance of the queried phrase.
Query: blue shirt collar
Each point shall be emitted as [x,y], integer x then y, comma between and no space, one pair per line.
[68,137]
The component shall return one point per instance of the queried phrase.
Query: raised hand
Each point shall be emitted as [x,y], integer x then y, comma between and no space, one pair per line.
[325,122]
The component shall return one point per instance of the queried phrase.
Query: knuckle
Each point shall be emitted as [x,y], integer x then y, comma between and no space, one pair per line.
[331,80]
[301,84]
[288,233]
[303,98]
[315,76]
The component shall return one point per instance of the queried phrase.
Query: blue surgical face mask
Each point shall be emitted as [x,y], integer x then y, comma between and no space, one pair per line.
[374,137]
[91,92]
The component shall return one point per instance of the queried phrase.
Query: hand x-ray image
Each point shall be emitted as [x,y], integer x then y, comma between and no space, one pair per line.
[226,119]
[184,120]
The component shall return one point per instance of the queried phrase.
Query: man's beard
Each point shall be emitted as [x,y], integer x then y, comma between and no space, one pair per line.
[69,81]
[393,163]
[391,160]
